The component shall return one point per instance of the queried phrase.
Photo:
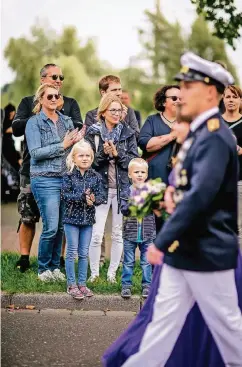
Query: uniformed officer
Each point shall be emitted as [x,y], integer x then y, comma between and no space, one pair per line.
[198,243]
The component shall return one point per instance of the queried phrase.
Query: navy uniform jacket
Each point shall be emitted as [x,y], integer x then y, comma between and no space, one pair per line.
[201,234]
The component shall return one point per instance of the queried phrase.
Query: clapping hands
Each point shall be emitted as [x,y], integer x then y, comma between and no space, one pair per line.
[72,137]
[110,149]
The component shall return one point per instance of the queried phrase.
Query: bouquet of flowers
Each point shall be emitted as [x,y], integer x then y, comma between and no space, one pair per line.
[146,197]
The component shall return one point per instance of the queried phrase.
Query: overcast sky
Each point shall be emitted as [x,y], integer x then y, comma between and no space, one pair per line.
[112,23]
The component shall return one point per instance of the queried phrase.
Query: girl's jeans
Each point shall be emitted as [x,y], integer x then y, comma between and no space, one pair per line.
[78,239]
[47,194]
[98,231]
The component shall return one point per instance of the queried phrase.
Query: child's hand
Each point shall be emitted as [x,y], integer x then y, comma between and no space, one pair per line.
[92,197]
[89,201]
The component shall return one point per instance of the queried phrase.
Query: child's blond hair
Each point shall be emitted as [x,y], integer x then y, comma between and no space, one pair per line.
[137,162]
[80,145]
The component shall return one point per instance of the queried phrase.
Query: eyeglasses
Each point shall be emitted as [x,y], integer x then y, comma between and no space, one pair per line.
[55,77]
[51,96]
[174,98]
[115,112]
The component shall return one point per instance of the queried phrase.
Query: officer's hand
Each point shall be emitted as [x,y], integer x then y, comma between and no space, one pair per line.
[154,256]
[169,202]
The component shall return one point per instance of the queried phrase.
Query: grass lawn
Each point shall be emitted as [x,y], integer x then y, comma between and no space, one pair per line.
[15,282]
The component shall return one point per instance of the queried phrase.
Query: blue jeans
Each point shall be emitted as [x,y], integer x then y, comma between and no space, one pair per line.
[129,261]
[78,239]
[47,193]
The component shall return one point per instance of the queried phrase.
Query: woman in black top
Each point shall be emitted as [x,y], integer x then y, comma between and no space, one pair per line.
[233,118]
[156,136]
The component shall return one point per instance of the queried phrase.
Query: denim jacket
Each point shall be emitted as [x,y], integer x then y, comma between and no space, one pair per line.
[74,186]
[44,143]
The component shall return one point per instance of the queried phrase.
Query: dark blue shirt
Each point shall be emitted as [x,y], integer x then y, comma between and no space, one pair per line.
[155,126]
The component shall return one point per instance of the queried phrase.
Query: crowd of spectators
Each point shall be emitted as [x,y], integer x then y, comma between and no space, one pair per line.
[73,173]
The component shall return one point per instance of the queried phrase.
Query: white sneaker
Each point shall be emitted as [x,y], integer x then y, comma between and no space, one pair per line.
[58,275]
[93,278]
[46,276]
[111,278]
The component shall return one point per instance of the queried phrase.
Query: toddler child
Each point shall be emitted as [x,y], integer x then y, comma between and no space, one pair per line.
[136,234]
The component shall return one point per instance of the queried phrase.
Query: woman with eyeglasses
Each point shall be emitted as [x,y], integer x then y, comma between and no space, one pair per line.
[114,144]
[49,136]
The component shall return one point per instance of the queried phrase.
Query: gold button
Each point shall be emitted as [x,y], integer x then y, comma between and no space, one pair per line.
[173,246]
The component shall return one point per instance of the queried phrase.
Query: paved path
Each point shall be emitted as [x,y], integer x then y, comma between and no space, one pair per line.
[59,338]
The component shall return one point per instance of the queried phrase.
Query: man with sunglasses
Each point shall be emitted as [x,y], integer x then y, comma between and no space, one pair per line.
[27,207]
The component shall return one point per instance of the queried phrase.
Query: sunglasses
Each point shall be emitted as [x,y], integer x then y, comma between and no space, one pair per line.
[55,77]
[51,96]
[174,98]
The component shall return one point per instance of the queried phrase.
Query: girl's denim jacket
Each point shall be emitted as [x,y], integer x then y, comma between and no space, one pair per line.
[44,143]
[74,186]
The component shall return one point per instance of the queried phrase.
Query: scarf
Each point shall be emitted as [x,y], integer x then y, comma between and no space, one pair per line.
[107,135]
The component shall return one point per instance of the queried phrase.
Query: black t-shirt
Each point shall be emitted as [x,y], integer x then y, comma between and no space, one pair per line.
[236,127]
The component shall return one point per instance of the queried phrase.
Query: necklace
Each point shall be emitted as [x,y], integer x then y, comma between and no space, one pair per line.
[168,122]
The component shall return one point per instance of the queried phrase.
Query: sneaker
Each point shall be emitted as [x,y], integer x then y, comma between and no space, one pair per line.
[126,293]
[145,292]
[85,291]
[46,276]
[74,291]
[58,275]
[93,278]
[111,279]
[62,262]
[22,265]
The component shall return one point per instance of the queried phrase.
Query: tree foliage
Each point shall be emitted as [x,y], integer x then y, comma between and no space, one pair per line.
[79,62]
[224,16]
[162,45]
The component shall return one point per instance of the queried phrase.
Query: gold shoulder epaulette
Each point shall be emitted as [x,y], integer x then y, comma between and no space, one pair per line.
[213,124]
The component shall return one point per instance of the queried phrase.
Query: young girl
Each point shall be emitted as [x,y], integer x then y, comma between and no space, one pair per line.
[82,191]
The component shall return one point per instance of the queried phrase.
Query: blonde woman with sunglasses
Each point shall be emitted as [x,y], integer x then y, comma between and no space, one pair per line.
[49,135]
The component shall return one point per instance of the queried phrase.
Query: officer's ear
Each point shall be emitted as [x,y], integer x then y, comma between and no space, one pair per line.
[212,93]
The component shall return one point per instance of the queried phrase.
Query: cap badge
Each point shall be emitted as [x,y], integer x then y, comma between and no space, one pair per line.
[206,79]
[213,124]
[184,69]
